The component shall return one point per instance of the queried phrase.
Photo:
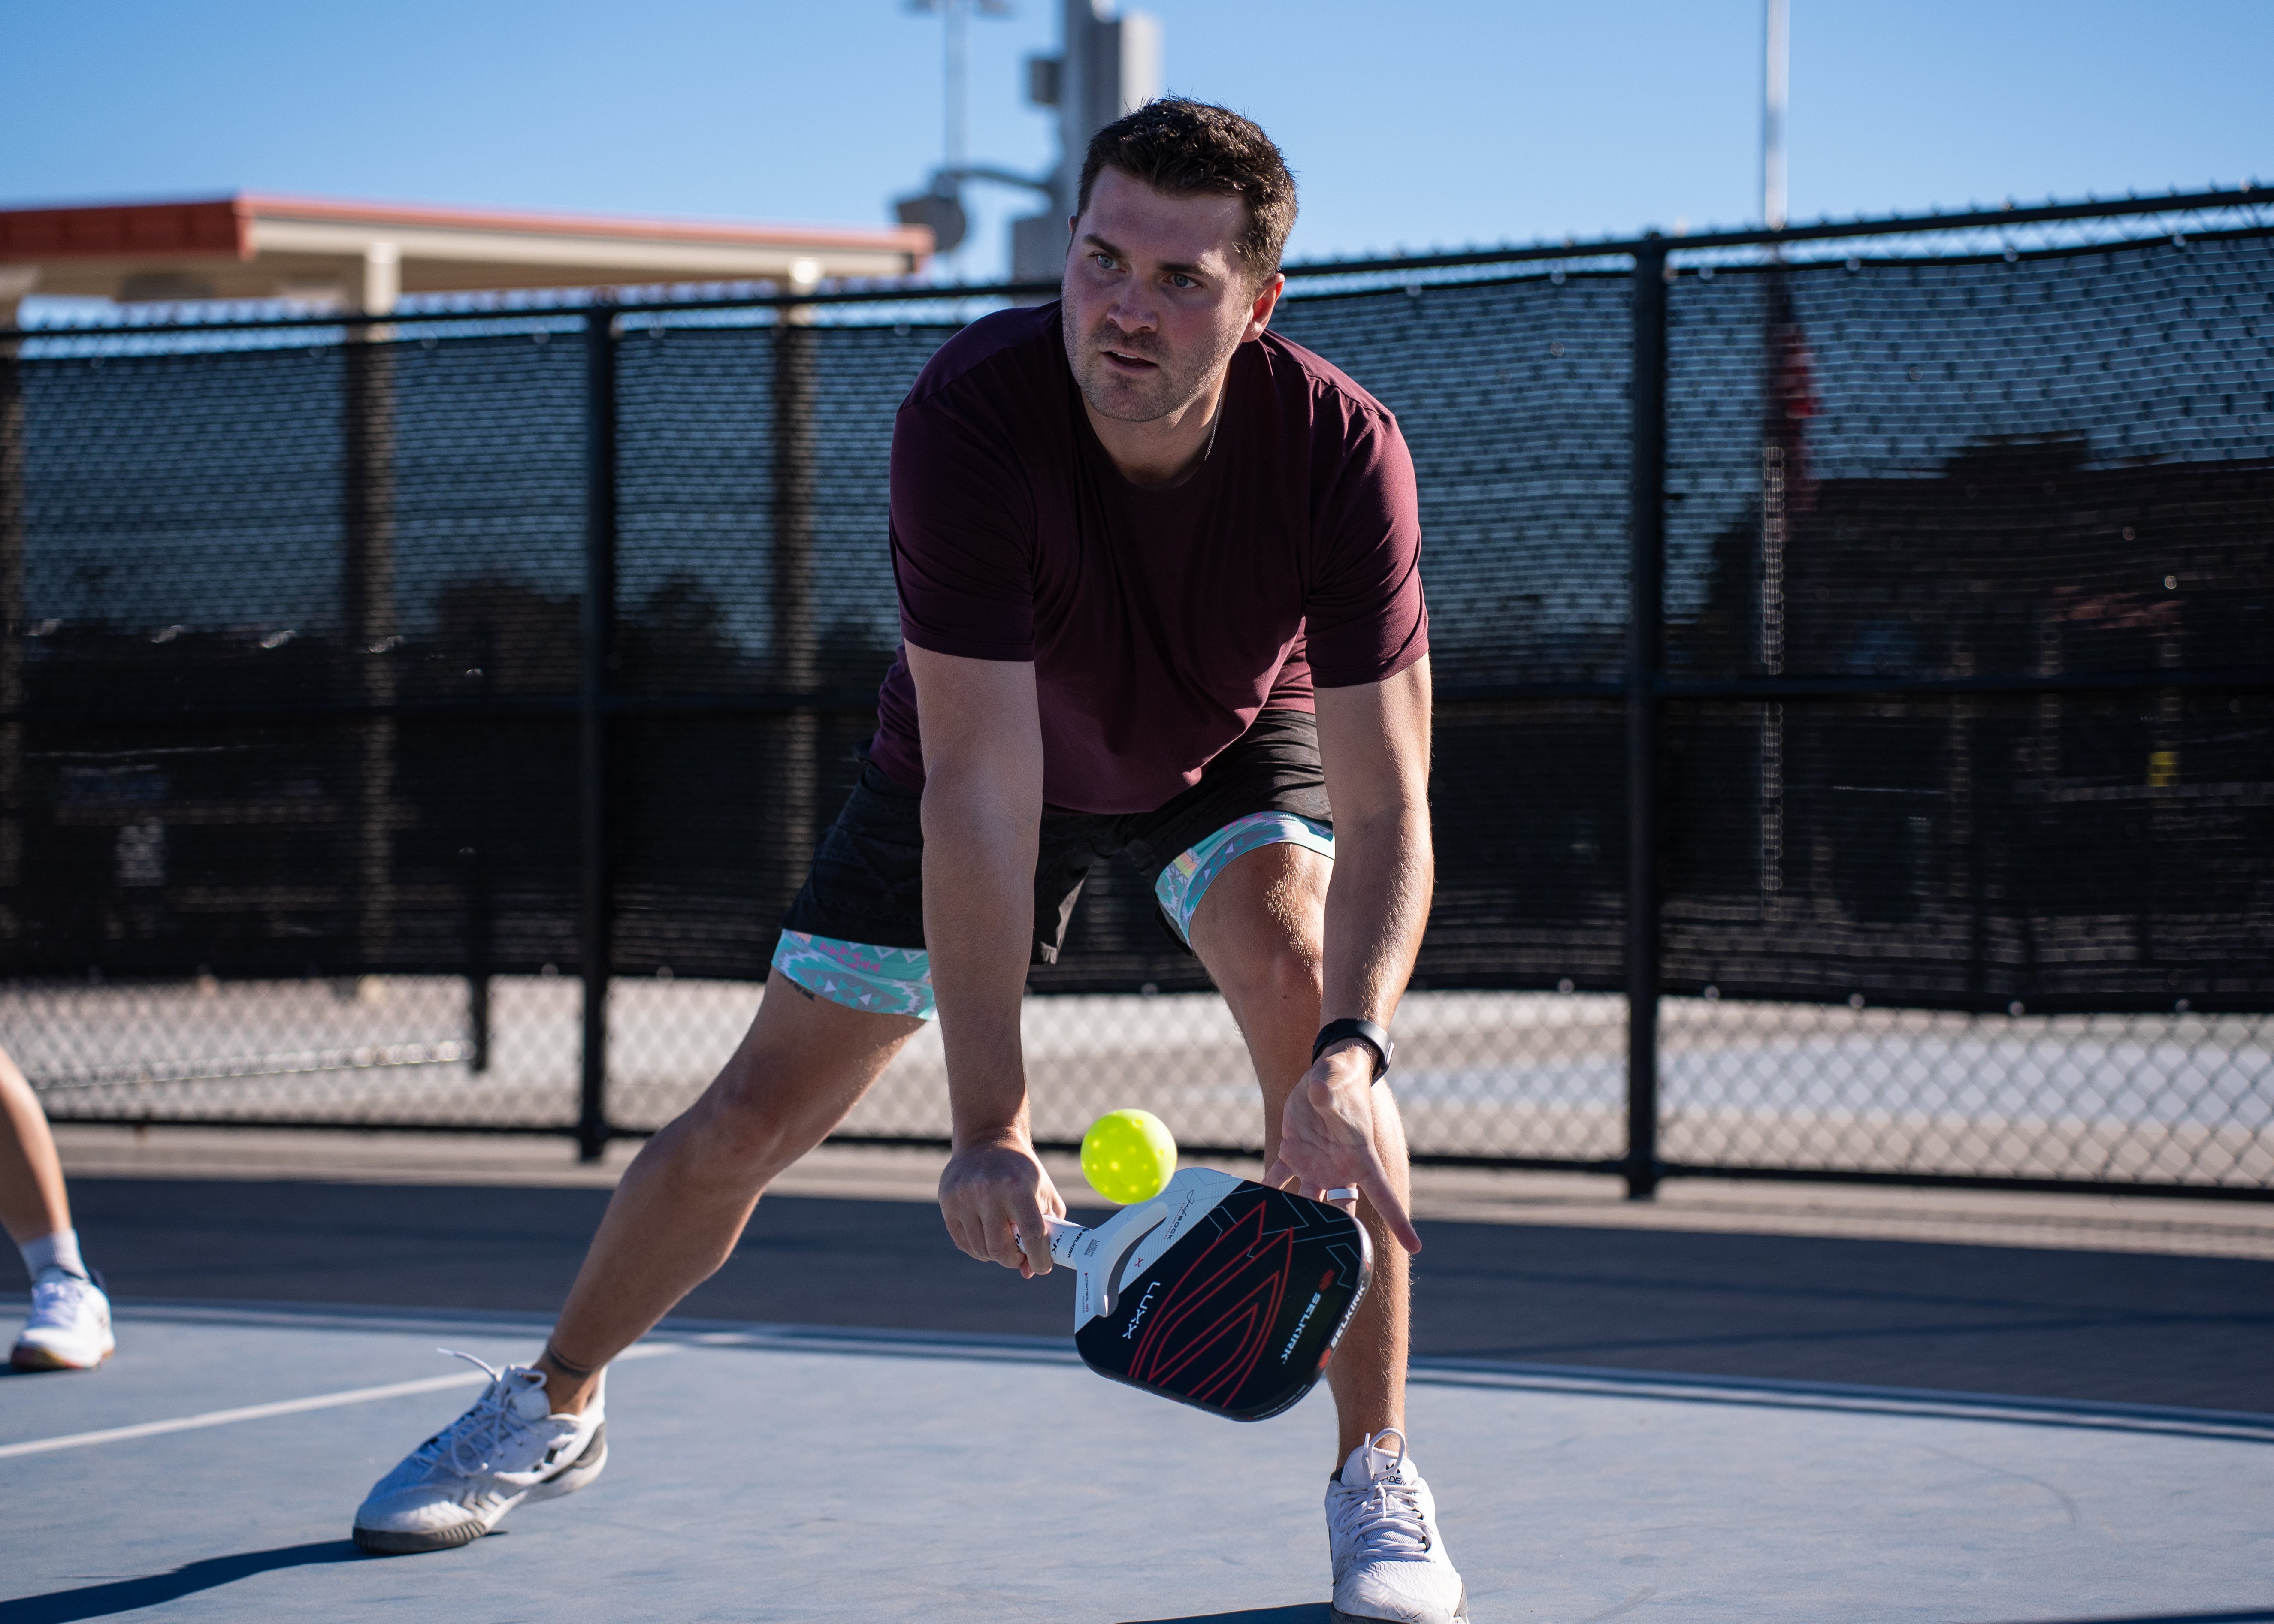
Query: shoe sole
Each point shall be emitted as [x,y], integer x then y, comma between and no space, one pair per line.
[24,1358]
[1336,1615]
[395,1542]
[387,1542]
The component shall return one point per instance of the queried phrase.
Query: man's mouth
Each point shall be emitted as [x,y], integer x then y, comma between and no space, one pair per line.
[1126,362]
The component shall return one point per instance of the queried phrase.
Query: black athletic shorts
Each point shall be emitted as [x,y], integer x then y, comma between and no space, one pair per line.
[865,889]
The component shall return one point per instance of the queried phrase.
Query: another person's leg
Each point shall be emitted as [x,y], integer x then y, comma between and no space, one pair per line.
[32,1204]
[69,1325]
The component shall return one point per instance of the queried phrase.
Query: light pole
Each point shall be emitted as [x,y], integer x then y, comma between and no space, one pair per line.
[1775,84]
[1108,63]
[1785,405]
[942,206]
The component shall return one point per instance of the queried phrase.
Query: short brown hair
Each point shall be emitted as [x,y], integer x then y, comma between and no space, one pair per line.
[1184,147]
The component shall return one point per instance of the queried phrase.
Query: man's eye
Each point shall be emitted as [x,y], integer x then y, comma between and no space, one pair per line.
[1179,280]
[1104,261]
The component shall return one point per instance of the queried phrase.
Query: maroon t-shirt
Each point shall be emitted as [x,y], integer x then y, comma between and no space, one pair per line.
[1159,621]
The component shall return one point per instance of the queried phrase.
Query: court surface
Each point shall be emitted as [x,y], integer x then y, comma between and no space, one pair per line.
[770,1473]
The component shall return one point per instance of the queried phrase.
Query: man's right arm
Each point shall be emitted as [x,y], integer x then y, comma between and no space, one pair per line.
[983,807]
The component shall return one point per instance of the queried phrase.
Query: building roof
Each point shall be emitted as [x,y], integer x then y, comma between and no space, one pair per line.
[261,246]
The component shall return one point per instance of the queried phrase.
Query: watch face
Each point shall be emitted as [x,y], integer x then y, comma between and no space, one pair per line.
[1375,1038]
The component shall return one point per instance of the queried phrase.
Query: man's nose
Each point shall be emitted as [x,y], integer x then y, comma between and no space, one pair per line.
[1132,311]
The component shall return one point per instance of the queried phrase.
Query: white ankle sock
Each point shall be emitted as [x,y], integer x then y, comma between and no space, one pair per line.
[57,1250]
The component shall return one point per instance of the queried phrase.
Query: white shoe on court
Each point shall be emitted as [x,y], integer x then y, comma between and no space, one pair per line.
[1390,1558]
[69,1327]
[505,1451]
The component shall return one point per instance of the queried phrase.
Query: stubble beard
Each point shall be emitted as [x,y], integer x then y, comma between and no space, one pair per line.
[1175,384]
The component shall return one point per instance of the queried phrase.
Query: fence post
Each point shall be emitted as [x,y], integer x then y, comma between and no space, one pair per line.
[1646,572]
[480,897]
[12,691]
[598,630]
[796,667]
[367,594]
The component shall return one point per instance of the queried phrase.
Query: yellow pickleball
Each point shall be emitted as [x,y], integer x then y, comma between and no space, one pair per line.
[1127,1157]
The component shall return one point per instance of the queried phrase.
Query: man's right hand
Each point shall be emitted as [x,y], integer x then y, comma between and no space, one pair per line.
[992,1193]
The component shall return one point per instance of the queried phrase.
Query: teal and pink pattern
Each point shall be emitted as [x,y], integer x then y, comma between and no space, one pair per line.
[891,981]
[1185,881]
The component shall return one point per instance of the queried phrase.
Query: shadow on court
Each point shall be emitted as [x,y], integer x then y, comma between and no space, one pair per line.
[1314,1613]
[2259,1615]
[108,1599]
[2112,1327]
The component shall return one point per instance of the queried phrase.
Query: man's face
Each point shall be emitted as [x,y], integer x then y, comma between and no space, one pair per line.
[1156,299]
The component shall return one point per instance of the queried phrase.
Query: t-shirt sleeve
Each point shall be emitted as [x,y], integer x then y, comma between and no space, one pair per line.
[962,535]
[1364,618]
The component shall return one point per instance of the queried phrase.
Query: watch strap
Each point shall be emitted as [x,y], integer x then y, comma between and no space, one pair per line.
[1374,1037]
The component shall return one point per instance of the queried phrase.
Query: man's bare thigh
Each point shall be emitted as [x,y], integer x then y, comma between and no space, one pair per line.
[805,1062]
[1268,905]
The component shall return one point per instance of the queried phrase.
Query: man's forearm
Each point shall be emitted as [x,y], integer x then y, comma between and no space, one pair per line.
[1377,908]
[978,891]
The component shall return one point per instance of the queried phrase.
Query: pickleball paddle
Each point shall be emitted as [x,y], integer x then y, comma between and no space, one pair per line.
[1219,1292]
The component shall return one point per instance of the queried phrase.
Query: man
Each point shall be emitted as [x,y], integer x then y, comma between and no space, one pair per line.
[1159,592]
[70,1324]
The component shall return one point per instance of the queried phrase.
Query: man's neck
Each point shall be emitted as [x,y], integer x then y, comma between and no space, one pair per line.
[1168,451]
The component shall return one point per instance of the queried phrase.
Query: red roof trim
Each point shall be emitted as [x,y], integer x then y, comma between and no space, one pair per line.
[224,225]
[120,230]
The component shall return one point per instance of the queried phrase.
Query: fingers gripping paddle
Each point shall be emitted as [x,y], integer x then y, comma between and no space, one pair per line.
[1218,1292]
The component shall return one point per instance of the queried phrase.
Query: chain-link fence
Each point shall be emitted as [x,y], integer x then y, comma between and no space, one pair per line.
[426,724]
[1516,1079]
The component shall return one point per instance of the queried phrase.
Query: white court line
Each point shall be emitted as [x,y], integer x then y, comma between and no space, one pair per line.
[288,1406]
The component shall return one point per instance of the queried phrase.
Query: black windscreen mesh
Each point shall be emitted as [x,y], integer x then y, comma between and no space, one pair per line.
[298,651]
[1989,471]
[1513,398]
[1990,467]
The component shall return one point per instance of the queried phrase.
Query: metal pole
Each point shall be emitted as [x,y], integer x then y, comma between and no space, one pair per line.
[1646,576]
[480,911]
[956,15]
[598,636]
[797,645]
[12,690]
[367,593]
[1775,86]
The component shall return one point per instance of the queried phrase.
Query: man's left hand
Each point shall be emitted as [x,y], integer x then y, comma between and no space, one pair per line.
[1327,1139]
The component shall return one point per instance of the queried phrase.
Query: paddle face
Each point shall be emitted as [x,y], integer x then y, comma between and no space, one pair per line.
[1231,1301]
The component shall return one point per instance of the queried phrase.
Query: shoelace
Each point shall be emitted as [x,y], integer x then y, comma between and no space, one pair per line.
[477,1438]
[1386,1520]
[57,1296]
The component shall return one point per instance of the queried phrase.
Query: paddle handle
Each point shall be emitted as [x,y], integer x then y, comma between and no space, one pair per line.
[1064,1237]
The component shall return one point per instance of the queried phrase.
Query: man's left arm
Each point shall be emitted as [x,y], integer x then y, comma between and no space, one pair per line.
[1374,745]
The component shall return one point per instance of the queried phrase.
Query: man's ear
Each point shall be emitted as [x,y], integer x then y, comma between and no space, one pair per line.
[1266,300]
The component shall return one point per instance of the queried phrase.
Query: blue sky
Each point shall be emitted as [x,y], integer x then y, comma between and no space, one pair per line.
[1427,123]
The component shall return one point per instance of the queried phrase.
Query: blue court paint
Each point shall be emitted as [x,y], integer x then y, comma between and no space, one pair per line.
[832,1475]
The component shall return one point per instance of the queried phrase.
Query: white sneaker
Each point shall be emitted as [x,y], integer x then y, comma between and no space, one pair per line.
[454,1487]
[1381,1528]
[69,1327]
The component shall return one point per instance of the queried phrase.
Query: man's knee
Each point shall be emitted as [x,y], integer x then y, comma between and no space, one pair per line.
[801,1066]
[1278,970]
[748,1121]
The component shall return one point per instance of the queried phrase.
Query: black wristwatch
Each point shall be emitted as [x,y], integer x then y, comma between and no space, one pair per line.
[1375,1038]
